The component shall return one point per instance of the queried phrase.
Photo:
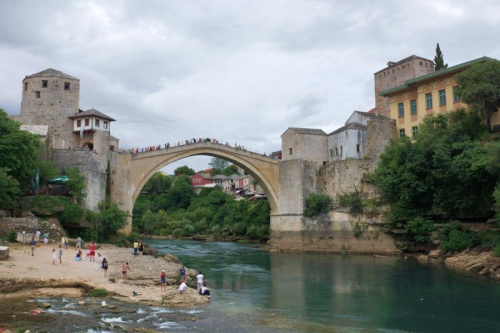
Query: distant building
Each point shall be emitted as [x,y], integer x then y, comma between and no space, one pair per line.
[429,94]
[304,143]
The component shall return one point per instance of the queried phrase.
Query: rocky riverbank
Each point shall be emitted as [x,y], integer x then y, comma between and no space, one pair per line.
[24,275]
[483,263]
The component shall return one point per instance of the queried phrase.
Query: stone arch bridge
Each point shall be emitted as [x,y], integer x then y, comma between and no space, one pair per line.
[130,172]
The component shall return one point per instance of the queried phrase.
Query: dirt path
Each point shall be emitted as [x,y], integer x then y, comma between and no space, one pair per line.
[30,272]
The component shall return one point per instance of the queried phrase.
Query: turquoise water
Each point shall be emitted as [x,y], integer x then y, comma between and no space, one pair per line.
[339,293]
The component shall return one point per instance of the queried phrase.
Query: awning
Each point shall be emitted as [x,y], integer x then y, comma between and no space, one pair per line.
[58,181]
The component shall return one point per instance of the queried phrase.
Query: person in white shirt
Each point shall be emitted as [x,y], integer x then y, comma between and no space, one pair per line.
[183,287]
[199,279]
[204,290]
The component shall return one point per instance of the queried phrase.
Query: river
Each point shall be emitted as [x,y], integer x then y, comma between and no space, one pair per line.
[257,291]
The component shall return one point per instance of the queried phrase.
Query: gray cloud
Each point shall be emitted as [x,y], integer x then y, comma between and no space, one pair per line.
[241,71]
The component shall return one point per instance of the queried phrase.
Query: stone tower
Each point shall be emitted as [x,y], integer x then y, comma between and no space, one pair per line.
[395,74]
[49,98]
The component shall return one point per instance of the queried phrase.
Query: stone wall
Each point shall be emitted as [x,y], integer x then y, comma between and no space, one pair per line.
[30,224]
[90,167]
[310,147]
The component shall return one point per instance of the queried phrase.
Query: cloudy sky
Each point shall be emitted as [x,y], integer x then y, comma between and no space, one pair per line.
[237,70]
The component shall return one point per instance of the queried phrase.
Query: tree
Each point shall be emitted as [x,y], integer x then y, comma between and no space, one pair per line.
[184,170]
[76,182]
[480,88]
[111,218]
[181,192]
[158,183]
[230,170]
[218,163]
[438,59]
[9,190]
[18,150]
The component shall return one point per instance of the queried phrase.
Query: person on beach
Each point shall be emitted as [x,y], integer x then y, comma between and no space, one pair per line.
[163,280]
[136,247]
[104,266]
[37,235]
[53,256]
[141,248]
[183,273]
[78,256]
[66,243]
[125,268]
[199,279]
[92,251]
[33,245]
[182,287]
[204,291]
[60,254]
[46,238]
[79,243]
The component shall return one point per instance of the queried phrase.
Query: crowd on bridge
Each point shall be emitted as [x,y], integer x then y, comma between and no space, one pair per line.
[166,146]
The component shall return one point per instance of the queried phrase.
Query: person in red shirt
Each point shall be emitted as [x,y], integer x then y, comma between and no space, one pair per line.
[92,251]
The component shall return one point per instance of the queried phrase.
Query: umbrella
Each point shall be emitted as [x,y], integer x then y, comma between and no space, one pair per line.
[58,181]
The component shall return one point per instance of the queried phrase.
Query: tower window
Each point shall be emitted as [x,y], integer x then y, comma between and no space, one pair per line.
[291,151]
[66,85]
[45,83]
[25,86]
[106,125]
[358,148]
[428,101]
[97,123]
[37,94]
[78,123]
[87,122]
[413,107]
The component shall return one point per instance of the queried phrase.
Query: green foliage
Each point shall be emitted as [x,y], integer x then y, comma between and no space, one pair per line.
[99,292]
[230,170]
[480,88]
[447,167]
[496,196]
[9,190]
[46,168]
[159,183]
[111,218]
[72,214]
[12,236]
[419,230]
[316,204]
[181,192]
[353,201]
[496,249]
[149,222]
[184,171]
[75,183]
[358,229]
[438,59]
[218,163]
[456,238]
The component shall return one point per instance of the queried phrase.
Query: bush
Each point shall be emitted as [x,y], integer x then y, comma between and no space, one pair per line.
[100,293]
[419,230]
[457,238]
[12,236]
[496,249]
[353,201]
[178,233]
[317,204]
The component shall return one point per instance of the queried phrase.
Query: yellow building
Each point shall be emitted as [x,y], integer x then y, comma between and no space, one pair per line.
[428,94]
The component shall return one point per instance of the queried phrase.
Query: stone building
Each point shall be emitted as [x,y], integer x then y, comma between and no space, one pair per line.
[395,74]
[304,143]
[429,94]
[73,138]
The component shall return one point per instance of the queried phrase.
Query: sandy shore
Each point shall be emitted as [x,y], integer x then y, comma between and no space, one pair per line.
[25,275]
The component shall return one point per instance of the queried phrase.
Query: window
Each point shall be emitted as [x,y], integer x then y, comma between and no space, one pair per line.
[66,85]
[45,83]
[442,97]
[414,131]
[106,125]
[87,122]
[456,95]
[402,133]
[413,106]
[97,123]
[331,153]
[358,148]
[401,110]
[25,86]
[78,123]
[336,152]
[290,151]
[428,101]
[37,94]
[341,150]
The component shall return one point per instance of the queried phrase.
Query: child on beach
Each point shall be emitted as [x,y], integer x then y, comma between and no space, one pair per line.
[53,256]
[163,280]
[104,266]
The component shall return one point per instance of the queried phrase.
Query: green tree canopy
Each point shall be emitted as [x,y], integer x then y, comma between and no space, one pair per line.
[184,170]
[438,59]
[158,183]
[480,88]
[9,190]
[18,150]
[76,182]
[446,168]
[230,170]
[218,163]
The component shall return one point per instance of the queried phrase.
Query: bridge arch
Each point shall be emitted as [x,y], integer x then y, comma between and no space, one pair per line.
[142,166]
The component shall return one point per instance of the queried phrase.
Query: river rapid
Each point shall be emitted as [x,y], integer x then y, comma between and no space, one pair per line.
[257,291]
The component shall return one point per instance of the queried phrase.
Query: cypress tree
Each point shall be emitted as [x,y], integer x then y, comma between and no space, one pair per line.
[438,59]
